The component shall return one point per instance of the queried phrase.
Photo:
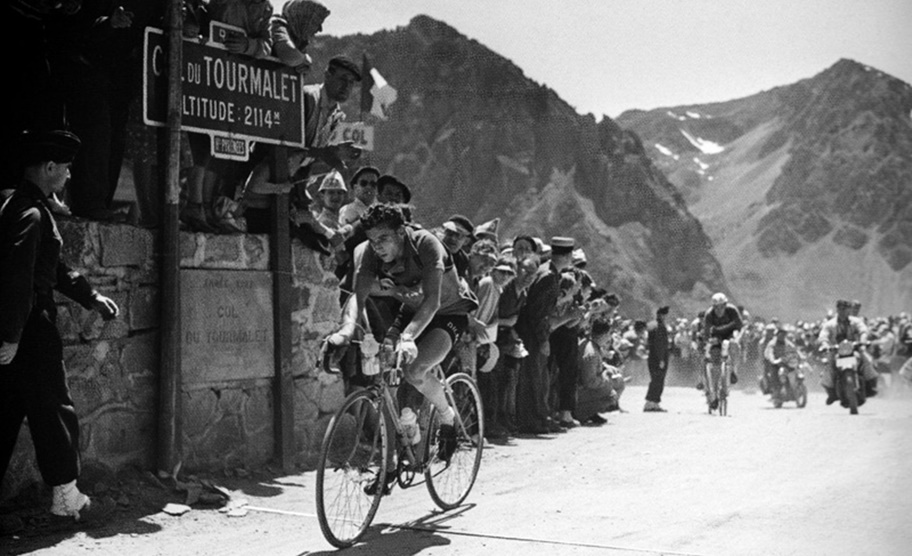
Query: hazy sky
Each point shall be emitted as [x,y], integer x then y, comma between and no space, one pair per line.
[607,56]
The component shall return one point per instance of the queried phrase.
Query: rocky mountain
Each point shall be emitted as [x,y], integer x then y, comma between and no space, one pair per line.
[472,134]
[805,189]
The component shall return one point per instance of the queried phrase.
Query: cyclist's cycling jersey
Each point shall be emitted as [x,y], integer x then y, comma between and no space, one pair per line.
[421,250]
[722,326]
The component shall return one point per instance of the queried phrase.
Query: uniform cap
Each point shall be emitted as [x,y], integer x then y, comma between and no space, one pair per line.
[57,146]
[561,245]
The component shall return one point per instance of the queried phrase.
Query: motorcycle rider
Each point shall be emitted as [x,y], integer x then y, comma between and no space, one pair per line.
[721,322]
[845,326]
[776,354]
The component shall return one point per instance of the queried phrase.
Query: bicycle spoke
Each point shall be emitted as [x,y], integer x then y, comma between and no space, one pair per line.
[449,483]
[352,457]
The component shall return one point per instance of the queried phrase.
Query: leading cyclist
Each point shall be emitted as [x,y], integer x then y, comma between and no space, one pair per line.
[399,256]
[720,323]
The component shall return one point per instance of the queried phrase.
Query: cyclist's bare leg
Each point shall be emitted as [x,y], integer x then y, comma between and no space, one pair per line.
[432,349]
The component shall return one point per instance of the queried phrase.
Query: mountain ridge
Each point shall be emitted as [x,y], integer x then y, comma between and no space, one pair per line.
[827,159]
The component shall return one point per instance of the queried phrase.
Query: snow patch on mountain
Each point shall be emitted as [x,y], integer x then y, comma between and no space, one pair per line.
[705,146]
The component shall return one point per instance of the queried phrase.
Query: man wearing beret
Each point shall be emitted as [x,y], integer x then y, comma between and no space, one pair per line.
[32,376]
[657,360]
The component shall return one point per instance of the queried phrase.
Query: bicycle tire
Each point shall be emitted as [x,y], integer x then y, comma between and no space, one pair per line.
[354,453]
[449,483]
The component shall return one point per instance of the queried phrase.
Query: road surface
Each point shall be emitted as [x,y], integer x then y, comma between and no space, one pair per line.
[761,481]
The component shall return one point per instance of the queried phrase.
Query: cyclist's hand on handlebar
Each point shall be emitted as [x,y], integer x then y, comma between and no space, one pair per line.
[337,339]
[408,349]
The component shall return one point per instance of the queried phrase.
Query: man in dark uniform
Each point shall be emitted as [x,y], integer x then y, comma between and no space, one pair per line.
[533,325]
[32,376]
[657,360]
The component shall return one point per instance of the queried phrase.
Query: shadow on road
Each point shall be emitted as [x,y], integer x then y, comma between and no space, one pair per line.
[403,539]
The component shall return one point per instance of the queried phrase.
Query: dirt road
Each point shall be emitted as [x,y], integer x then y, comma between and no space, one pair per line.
[761,481]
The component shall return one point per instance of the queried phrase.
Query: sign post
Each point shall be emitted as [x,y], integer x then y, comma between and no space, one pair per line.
[237,101]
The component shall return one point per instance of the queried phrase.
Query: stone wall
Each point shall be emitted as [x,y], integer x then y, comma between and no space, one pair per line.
[113,366]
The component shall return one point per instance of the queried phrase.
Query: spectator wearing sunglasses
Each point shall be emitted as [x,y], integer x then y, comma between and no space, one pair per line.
[364,185]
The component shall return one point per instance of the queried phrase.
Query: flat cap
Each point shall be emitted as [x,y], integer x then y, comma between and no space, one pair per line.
[346,64]
[461,224]
[387,179]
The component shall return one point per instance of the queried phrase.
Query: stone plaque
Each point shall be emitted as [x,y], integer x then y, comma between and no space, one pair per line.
[226,325]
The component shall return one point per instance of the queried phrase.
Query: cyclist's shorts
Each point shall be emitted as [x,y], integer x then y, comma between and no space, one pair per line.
[453,325]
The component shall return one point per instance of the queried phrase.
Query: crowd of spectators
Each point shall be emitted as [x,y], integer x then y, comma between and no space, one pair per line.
[887,345]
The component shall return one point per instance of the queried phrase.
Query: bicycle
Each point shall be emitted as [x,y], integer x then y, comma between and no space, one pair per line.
[716,374]
[365,442]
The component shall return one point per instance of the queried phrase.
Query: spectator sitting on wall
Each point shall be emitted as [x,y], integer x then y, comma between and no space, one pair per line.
[292,31]
[323,114]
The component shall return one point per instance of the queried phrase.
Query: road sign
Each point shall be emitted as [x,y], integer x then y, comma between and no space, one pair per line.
[359,133]
[232,98]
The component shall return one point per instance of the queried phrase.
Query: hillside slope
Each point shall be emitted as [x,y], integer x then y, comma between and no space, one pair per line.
[471,134]
[805,190]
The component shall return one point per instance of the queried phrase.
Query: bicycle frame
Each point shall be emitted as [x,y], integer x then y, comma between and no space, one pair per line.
[717,357]
[391,377]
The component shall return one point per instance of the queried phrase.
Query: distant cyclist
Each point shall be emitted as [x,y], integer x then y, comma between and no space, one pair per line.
[720,323]
[401,257]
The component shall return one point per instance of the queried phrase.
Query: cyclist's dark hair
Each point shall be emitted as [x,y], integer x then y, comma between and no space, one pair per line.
[389,216]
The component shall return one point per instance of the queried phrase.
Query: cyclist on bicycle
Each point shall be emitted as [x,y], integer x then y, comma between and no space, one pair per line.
[402,257]
[720,323]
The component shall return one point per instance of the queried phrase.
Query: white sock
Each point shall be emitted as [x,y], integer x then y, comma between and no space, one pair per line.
[447,417]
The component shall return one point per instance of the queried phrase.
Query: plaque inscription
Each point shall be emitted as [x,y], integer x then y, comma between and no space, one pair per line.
[227,325]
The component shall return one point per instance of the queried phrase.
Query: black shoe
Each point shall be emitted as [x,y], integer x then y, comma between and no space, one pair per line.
[446,442]
[597,419]
[831,396]
[371,489]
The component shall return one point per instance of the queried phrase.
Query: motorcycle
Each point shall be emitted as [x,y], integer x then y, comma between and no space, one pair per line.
[848,376]
[791,382]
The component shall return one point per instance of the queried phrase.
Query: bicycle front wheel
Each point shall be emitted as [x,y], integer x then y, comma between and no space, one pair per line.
[353,456]
[449,483]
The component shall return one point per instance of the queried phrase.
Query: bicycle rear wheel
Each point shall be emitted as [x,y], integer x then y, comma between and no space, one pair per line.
[449,483]
[353,455]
